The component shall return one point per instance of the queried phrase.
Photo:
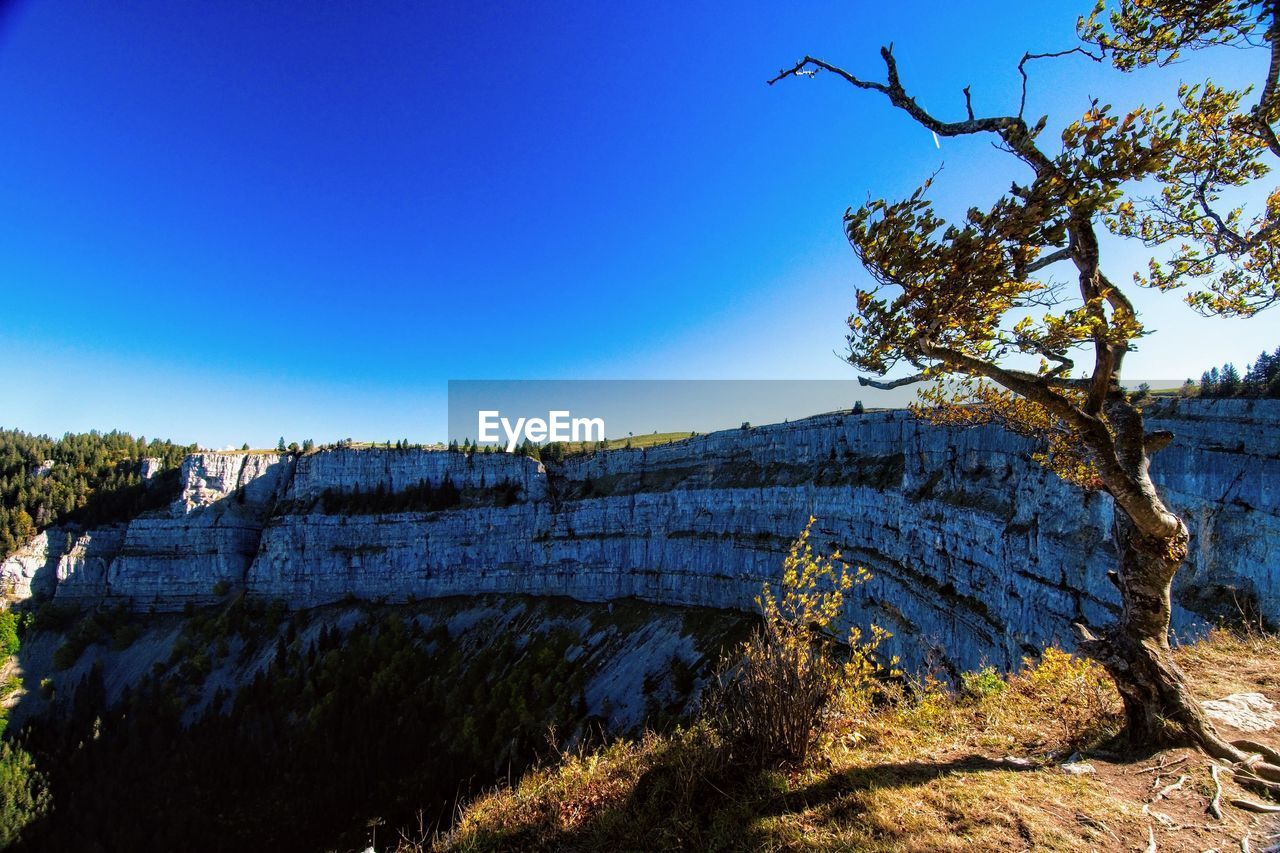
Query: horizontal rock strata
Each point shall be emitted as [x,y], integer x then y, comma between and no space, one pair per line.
[977,554]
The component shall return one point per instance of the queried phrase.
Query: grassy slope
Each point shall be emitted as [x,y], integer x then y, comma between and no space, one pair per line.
[934,772]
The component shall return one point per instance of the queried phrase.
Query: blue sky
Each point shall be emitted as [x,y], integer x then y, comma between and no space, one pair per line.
[228,222]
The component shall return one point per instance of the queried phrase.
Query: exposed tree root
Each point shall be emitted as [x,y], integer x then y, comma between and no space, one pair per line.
[1248,767]
[1160,768]
[1169,789]
[1261,748]
[1251,806]
[1215,805]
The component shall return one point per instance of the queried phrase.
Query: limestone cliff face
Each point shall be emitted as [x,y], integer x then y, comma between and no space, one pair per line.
[977,553]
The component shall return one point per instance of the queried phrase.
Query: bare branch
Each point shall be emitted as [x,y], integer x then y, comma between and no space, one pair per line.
[1240,243]
[1264,113]
[1026,57]
[801,69]
[1064,364]
[1011,129]
[1043,261]
[896,383]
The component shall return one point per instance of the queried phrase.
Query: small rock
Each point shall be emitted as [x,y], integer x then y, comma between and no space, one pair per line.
[1079,768]
[1248,712]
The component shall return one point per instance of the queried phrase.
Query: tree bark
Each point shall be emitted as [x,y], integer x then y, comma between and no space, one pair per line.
[1160,709]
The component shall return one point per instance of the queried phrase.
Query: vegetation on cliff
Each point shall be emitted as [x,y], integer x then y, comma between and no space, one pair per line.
[91,478]
[1261,379]
[257,728]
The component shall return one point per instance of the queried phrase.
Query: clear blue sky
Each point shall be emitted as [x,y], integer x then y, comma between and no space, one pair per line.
[227,222]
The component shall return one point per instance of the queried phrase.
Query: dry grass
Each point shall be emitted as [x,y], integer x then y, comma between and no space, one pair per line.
[931,771]
[1233,661]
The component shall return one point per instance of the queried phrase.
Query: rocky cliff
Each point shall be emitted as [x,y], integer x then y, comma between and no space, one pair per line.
[977,553]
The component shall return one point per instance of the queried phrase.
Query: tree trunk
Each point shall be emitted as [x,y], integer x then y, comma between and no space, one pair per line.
[1160,709]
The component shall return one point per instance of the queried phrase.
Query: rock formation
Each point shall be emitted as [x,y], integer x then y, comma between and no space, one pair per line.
[977,554]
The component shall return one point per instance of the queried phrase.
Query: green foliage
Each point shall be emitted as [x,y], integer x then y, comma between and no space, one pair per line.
[100,625]
[1261,379]
[553,450]
[982,684]
[12,624]
[95,478]
[1211,144]
[24,797]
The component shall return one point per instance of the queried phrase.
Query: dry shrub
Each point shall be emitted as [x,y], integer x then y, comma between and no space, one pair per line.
[1072,693]
[772,698]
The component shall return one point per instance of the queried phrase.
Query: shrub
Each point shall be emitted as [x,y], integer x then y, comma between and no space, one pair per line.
[66,655]
[10,625]
[771,700]
[1076,692]
[55,617]
[982,684]
[125,635]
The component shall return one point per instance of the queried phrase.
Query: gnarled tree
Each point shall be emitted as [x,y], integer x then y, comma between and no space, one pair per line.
[972,309]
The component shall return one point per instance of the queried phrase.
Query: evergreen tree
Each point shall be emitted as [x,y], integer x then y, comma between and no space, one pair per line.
[1229,384]
[94,478]
[280,448]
